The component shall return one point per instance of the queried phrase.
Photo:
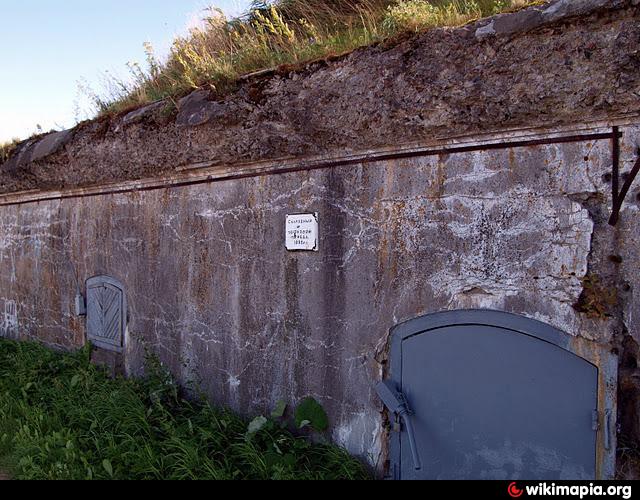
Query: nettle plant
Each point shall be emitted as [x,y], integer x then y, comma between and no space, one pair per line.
[309,414]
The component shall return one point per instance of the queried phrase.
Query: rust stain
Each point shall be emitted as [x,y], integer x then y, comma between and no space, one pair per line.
[607,395]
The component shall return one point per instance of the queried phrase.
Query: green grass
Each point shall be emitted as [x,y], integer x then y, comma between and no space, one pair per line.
[63,418]
[283,32]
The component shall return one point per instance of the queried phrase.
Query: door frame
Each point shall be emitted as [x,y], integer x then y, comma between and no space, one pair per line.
[597,354]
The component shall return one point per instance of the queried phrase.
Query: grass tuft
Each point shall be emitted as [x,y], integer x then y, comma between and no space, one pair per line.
[282,32]
[63,418]
[7,149]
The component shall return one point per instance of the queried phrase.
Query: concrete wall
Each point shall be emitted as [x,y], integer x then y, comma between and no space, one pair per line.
[212,290]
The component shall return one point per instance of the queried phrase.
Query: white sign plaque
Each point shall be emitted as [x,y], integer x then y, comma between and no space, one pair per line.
[302,232]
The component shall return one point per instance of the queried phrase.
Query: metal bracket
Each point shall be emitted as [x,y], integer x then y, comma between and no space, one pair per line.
[397,404]
[618,194]
[396,426]
[80,305]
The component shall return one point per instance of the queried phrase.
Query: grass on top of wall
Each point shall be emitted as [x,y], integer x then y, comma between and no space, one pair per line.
[274,33]
[63,418]
[7,149]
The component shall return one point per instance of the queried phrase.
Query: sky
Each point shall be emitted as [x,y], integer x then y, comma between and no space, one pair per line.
[48,47]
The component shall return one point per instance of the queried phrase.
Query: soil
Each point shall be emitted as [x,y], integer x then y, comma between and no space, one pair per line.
[439,84]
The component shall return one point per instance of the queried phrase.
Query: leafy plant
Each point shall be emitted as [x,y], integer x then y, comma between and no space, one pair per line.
[596,300]
[256,425]
[311,413]
[63,418]
[279,410]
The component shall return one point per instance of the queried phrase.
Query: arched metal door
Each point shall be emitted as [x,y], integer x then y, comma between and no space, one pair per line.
[493,396]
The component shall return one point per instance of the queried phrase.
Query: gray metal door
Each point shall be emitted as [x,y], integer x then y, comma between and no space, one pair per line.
[106,312]
[493,402]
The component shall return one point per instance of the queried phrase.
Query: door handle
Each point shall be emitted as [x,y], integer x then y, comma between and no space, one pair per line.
[397,404]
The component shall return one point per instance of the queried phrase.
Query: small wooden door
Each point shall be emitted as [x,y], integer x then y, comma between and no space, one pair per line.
[106,313]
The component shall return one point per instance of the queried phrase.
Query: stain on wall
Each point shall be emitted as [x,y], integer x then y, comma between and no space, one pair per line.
[212,290]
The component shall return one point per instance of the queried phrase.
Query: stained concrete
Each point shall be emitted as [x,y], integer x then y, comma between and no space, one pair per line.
[213,291]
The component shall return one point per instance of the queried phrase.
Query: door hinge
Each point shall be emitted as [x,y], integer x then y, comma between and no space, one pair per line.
[605,427]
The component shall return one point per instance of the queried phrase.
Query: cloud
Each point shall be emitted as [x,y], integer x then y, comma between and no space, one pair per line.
[231,8]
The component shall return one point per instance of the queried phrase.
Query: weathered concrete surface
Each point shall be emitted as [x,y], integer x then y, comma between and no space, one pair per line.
[584,65]
[628,279]
[542,15]
[629,242]
[212,290]
[36,149]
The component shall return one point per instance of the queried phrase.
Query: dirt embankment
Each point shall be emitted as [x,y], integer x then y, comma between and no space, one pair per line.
[565,62]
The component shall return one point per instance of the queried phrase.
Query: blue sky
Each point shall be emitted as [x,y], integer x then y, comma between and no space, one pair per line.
[49,46]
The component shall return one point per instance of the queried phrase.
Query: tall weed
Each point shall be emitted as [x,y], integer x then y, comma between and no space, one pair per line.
[274,33]
[63,418]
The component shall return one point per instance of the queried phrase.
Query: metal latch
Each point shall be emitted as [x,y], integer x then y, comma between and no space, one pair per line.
[606,419]
[397,404]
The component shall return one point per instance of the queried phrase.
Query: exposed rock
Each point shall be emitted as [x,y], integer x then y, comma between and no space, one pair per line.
[20,158]
[524,20]
[37,149]
[565,8]
[583,64]
[50,144]
[197,109]
[141,114]
[485,31]
[193,109]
